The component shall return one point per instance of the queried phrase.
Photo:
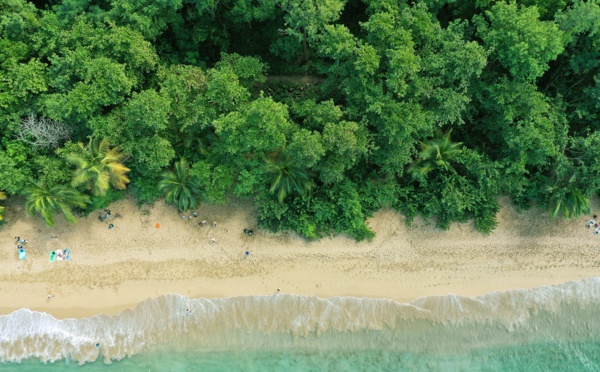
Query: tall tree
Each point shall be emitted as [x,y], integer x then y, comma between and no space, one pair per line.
[437,153]
[569,203]
[516,37]
[98,167]
[181,188]
[304,19]
[48,200]
[140,125]
[286,176]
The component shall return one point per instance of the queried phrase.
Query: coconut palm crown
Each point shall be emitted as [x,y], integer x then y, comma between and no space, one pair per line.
[286,176]
[569,203]
[180,187]
[437,153]
[98,167]
[47,200]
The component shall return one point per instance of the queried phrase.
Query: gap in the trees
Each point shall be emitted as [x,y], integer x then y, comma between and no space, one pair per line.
[42,4]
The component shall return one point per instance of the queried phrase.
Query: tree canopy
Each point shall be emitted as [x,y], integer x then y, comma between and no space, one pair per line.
[322,112]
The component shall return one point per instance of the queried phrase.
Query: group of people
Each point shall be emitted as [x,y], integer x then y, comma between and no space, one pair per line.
[22,252]
[20,242]
[594,223]
[104,216]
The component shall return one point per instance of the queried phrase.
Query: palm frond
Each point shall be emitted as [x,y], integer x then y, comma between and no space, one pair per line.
[286,176]
[47,200]
[180,187]
[437,153]
[98,167]
[569,204]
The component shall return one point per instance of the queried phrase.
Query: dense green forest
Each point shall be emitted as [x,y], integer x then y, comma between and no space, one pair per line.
[320,111]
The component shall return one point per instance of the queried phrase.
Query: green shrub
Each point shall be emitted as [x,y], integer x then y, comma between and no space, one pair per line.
[104,201]
[319,213]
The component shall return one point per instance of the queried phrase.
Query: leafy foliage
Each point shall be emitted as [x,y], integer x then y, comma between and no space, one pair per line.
[519,40]
[569,203]
[318,213]
[98,167]
[322,111]
[180,187]
[286,176]
[2,208]
[48,200]
[437,153]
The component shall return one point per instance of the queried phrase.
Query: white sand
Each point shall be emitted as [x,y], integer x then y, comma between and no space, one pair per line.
[111,270]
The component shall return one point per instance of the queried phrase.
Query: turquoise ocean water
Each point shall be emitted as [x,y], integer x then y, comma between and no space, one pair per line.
[551,328]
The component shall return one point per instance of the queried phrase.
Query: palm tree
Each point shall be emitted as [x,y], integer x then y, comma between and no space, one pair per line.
[47,200]
[2,197]
[98,167]
[286,175]
[201,140]
[437,153]
[180,187]
[569,203]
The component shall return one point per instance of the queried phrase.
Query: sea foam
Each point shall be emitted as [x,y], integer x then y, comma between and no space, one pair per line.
[435,324]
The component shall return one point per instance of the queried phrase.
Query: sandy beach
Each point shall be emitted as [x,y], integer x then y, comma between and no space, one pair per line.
[114,269]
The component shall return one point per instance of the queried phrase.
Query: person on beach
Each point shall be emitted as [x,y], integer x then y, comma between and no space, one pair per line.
[592,222]
[597,230]
[202,223]
[214,224]
[248,232]
[195,214]
[111,226]
[20,240]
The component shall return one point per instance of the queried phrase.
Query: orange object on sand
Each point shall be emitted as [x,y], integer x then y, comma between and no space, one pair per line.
[157,225]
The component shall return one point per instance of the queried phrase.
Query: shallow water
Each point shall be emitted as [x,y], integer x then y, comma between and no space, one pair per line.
[547,328]
[533,357]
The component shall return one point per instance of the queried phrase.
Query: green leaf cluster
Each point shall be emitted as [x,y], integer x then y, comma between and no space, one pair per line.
[321,111]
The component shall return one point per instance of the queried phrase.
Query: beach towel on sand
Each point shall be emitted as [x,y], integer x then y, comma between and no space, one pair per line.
[52,256]
[59,254]
[67,254]
[22,254]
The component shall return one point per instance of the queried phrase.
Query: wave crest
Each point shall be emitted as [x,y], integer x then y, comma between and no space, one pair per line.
[430,324]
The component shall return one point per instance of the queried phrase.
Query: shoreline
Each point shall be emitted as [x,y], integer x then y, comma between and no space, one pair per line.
[113,270]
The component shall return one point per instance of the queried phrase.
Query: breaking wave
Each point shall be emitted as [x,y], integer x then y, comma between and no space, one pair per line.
[436,325]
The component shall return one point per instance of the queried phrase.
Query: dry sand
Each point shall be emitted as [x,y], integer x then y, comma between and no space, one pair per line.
[111,270]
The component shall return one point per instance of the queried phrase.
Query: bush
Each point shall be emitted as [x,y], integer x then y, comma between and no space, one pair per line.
[102,202]
[318,213]
[145,188]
